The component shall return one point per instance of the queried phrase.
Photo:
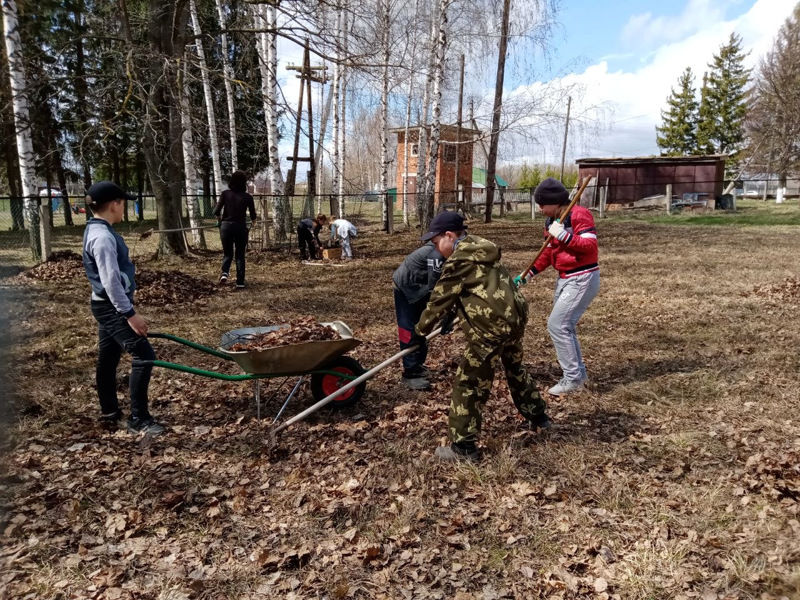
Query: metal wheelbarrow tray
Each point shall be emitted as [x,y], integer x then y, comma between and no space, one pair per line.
[323,361]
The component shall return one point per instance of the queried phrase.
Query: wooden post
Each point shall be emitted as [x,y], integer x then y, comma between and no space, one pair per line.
[668,203]
[44,227]
[533,205]
[733,198]
[604,200]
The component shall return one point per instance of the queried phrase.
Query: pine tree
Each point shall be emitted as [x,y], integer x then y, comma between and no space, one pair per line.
[677,134]
[723,106]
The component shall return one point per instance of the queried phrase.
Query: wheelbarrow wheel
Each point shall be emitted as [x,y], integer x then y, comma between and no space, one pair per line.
[324,384]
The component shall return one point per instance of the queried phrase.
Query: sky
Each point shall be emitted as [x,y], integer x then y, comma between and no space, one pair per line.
[625,55]
[631,53]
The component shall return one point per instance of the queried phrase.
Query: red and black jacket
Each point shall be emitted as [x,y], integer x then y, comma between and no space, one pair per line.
[577,254]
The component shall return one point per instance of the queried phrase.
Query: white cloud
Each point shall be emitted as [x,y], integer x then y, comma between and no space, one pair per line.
[645,30]
[639,95]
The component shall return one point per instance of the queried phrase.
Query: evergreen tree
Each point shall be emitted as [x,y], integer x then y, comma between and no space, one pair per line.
[677,134]
[723,104]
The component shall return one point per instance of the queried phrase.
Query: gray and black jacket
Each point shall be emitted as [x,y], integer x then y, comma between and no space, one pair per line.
[419,272]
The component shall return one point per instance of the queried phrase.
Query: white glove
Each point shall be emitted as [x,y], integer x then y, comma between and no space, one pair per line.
[557,231]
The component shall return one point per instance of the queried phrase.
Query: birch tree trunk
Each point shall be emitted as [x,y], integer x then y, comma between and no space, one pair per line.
[422,136]
[193,185]
[406,147]
[268,65]
[318,156]
[433,154]
[384,184]
[337,88]
[19,100]
[345,35]
[212,120]
[228,72]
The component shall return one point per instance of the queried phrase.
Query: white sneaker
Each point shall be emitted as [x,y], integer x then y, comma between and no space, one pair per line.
[565,386]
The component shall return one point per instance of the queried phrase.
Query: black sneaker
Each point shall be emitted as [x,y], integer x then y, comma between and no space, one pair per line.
[147,425]
[458,452]
[110,418]
[541,421]
[223,279]
[418,383]
[240,286]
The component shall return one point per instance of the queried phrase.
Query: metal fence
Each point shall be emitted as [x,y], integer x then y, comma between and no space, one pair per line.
[364,209]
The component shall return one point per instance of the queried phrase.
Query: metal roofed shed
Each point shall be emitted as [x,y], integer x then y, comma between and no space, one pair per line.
[631,180]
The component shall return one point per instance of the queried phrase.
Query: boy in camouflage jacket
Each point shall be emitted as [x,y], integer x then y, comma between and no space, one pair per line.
[493,315]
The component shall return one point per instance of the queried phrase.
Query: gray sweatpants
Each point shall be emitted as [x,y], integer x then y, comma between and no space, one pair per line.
[573,296]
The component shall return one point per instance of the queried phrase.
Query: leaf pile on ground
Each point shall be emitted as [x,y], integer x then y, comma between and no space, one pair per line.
[307,329]
[61,265]
[171,289]
[788,289]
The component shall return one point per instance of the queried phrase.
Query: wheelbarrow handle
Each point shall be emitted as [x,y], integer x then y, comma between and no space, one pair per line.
[196,346]
[368,375]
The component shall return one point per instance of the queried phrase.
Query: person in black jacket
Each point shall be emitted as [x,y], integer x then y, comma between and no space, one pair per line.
[231,212]
[413,282]
[308,234]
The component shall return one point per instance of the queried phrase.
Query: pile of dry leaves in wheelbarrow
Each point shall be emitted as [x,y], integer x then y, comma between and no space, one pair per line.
[305,329]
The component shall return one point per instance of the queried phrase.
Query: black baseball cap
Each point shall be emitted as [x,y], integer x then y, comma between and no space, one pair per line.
[444,221]
[106,191]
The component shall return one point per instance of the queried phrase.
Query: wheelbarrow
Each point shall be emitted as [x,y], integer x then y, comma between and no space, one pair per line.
[323,362]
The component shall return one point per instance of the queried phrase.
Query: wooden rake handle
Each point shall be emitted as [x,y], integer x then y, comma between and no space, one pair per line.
[575,199]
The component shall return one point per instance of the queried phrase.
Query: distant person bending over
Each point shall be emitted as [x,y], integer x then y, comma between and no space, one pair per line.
[111,276]
[342,230]
[573,253]
[231,212]
[308,236]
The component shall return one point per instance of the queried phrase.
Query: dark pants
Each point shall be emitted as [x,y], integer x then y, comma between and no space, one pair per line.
[233,233]
[407,318]
[116,335]
[306,240]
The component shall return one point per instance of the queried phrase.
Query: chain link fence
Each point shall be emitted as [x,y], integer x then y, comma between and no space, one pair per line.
[68,216]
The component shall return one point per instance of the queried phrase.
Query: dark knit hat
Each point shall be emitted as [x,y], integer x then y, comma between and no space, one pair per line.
[551,191]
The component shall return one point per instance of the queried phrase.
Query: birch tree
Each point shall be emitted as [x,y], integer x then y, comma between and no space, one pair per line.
[423,149]
[228,76]
[193,186]
[385,49]
[208,97]
[19,100]
[336,132]
[436,113]
[268,64]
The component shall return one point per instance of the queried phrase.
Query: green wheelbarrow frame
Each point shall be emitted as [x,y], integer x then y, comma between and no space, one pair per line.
[324,362]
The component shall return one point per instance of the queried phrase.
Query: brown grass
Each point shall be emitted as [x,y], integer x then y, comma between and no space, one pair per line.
[675,475]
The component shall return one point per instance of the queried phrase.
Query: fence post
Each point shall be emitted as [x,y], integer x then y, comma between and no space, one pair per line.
[533,205]
[669,198]
[44,227]
[604,200]
[733,199]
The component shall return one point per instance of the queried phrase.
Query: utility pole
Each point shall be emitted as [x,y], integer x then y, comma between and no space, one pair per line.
[566,132]
[458,132]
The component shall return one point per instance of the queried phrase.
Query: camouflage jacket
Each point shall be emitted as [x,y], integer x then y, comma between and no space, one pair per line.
[482,291]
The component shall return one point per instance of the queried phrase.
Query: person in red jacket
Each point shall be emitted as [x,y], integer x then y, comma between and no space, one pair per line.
[573,253]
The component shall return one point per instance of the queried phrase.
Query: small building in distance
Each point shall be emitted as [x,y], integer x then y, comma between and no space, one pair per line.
[633,179]
[446,187]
